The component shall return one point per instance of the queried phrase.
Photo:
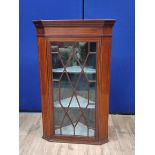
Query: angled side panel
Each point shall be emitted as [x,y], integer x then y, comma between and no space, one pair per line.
[103,86]
[44,86]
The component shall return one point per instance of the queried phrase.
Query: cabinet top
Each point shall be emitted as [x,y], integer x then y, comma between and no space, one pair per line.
[74,23]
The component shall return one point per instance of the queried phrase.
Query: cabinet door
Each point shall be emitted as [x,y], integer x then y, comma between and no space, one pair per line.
[73,71]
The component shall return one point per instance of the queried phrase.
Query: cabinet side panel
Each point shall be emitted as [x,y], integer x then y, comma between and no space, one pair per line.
[104,82]
[44,86]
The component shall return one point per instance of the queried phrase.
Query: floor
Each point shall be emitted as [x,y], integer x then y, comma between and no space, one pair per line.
[121,138]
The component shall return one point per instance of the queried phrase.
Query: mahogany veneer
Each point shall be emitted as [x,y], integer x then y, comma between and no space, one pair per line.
[75,36]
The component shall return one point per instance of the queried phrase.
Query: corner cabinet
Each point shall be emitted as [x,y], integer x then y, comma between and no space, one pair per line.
[74,61]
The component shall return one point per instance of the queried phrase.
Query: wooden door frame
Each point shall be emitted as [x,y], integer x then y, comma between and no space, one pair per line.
[54,137]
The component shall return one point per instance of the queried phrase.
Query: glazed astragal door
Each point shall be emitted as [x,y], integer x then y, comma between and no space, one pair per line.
[74,88]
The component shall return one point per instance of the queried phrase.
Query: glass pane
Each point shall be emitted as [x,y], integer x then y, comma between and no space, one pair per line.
[90,67]
[54,47]
[57,67]
[92,47]
[74,75]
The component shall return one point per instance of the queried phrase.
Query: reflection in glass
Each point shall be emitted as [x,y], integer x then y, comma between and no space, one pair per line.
[74,75]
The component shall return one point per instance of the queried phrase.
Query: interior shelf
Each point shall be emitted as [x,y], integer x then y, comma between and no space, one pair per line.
[75,69]
[80,130]
[74,104]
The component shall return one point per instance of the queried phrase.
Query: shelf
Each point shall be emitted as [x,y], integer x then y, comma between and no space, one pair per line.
[80,130]
[74,104]
[75,69]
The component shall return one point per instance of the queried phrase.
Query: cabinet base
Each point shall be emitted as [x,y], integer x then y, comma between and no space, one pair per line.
[100,142]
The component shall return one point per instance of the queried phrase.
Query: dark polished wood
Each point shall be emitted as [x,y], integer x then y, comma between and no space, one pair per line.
[99,31]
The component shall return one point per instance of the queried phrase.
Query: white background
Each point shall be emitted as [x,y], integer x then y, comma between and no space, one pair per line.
[145,77]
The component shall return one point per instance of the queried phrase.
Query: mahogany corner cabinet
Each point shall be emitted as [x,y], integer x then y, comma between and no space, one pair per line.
[74,60]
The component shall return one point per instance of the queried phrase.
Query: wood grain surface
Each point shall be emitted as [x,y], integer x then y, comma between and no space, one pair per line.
[121,138]
[99,31]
